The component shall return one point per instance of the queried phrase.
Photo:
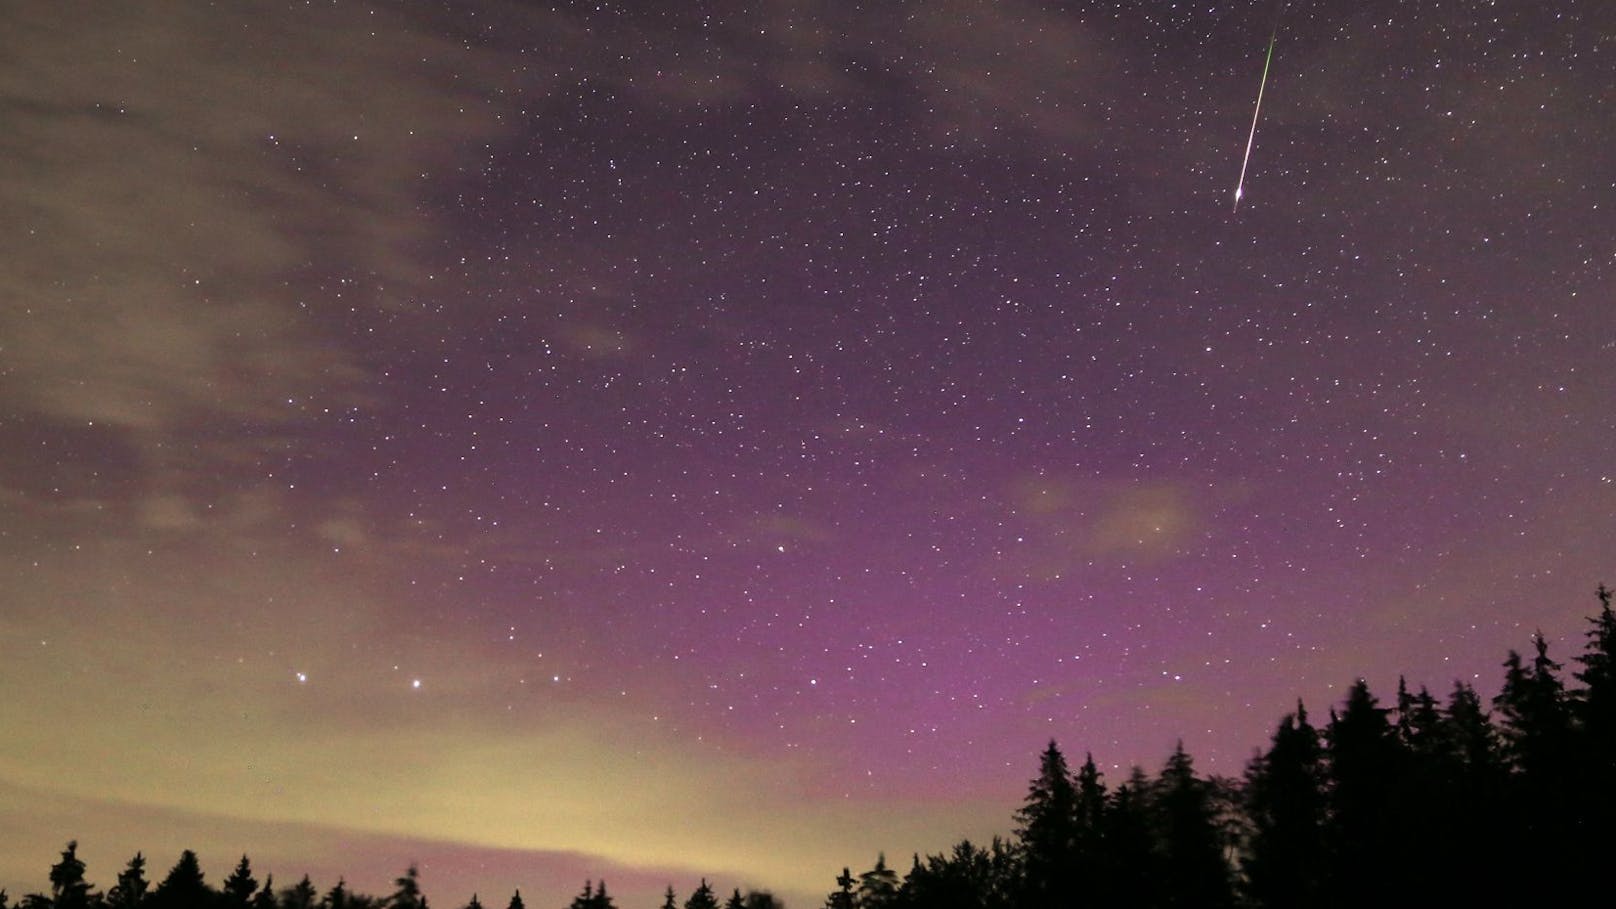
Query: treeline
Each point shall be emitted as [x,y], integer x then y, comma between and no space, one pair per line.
[1419,802]
[1422,801]
[185,887]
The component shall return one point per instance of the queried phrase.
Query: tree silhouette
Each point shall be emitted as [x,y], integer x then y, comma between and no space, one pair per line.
[966,878]
[238,889]
[337,896]
[69,889]
[1365,760]
[1593,837]
[184,886]
[592,897]
[1596,704]
[842,897]
[407,891]
[1285,801]
[1048,833]
[878,887]
[1532,705]
[1194,870]
[516,899]
[1131,859]
[265,897]
[301,895]
[702,897]
[668,899]
[735,901]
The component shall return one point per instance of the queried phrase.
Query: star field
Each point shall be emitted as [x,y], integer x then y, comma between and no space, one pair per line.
[732,439]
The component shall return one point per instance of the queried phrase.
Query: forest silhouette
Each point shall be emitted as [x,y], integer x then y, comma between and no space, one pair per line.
[1418,802]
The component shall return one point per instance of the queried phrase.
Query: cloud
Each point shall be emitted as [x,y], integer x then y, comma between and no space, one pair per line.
[191,193]
[1068,524]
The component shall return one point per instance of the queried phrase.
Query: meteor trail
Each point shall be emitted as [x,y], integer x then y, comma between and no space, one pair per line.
[1240,188]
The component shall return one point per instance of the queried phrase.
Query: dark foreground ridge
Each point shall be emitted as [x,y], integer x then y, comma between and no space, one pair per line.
[1424,802]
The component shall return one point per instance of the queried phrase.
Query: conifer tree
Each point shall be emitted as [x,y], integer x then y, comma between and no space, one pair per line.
[1593,803]
[1365,763]
[735,901]
[184,887]
[878,887]
[1193,867]
[1469,737]
[1089,868]
[265,897]
[1285,801]
[1131,860]
[702,897]
[301,895]
[337,896]
[407,891]
[516,900]
[475,903]
[69,889]
[238,889]
[1047,828]
[1596,703]
[842,897]
[668,899]
[1532,705]
[131,888]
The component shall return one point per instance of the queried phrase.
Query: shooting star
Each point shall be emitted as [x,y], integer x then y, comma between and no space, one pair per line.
[1251,138]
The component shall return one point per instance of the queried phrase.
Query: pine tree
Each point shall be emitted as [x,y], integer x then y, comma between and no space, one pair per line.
[1285,803]
[668,899]
[239,887]
[184,887]
[1195,873]
[475,903]
[878,887]
[842,897]
[1365,765]
[1048,832]
[702,897]
[1594,802]
[1596,703]
[69,889]
[407,891]
[265,897]
[586,899]
[131,888]
[516,900]
[337,896]
[1532,705]
[301,895]
[1089,866]
[1130,852]
[735,901]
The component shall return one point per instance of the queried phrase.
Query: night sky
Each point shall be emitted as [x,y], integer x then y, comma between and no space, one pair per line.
[655,440]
